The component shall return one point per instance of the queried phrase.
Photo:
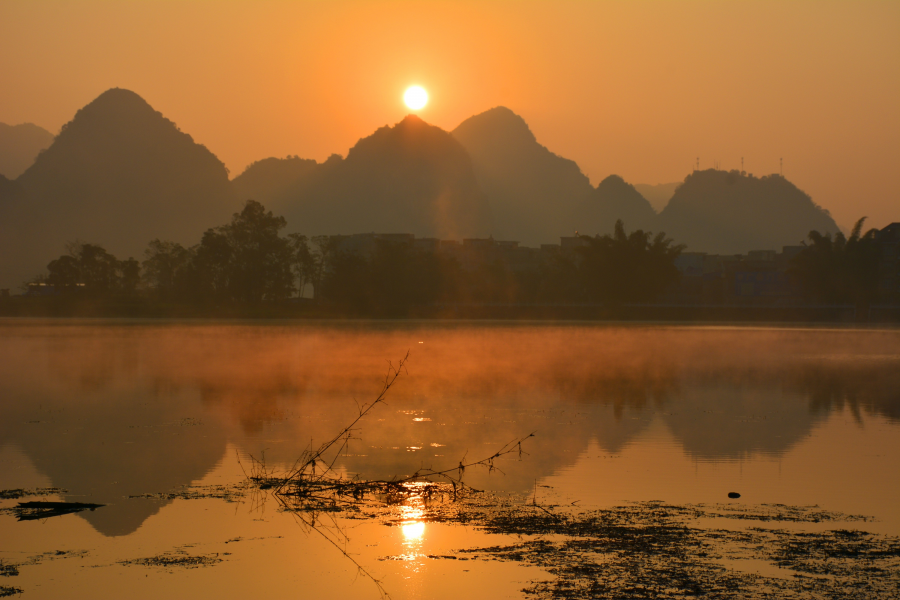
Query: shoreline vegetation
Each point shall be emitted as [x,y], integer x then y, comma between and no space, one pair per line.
[304,309]
[247,269]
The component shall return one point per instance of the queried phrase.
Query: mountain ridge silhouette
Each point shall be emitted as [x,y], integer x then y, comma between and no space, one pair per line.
[611,200]
[729,212]
[20,145]
[534,193]
[118,174]
[411,177]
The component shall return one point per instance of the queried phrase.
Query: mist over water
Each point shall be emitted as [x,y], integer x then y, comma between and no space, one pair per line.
[117,409]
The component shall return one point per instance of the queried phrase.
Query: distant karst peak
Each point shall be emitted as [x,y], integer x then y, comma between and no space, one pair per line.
[498,121]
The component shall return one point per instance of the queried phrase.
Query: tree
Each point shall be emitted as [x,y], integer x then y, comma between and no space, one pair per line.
[129,275]
[246,260]
[91,269]
[628,267]
[97,267]
[304,261]
[839,269]
[64,272]
[167,267]
[321,259]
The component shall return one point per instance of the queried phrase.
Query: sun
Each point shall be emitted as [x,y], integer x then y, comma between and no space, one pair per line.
[415,97]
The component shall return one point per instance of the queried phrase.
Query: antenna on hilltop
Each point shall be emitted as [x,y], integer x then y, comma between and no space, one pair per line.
[742,165]
[781,167]
[697,168]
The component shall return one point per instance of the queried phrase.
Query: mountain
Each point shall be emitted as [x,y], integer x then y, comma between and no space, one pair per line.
[271,180]
[657,195]
[533,193]
[731,212]
[614,199]
[7,188]
[19,146]
[119,174]
[409,178]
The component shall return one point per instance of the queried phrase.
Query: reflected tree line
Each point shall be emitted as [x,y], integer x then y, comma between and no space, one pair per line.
[249,261]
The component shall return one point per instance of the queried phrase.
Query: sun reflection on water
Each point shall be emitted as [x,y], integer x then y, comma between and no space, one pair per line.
[412,532]
[411,524]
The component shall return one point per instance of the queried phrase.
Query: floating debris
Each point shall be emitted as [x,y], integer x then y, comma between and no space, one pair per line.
[22,493]
[229,493]
[653,550]
[30,511]
[6,591]
[176,559]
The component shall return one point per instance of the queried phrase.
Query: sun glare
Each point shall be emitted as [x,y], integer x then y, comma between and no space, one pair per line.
[415,97]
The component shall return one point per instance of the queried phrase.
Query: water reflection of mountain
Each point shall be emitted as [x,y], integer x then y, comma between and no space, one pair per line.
[112,411]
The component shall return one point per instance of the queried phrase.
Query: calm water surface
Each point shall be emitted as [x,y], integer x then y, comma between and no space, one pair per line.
[112,410]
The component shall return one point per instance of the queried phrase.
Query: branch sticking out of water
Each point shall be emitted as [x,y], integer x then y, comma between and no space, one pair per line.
[313,484]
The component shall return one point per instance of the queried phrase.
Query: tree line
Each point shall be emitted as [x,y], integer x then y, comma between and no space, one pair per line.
[249,261]
[840,270]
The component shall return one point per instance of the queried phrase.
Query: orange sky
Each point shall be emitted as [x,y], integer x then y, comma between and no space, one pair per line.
[635,88]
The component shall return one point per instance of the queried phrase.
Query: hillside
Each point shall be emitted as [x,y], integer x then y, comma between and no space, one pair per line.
[272,180]
[730,212]
[19,146]
[533,193]
[118,174]
[409,178]
[614,199]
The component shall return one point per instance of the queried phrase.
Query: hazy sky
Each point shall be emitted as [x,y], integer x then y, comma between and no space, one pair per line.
[640,89]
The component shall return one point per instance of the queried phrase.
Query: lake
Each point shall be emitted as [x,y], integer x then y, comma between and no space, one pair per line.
[160,422]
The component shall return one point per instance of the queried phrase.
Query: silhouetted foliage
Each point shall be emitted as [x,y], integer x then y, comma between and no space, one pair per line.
[346,283]
[393,278]
[246,260]
[628,267]
[560,280]
[167,269]
[304,261]
[90,269]
[839,269]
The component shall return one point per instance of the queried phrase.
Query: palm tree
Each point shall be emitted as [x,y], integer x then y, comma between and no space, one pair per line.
[838,269]
[635,267]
